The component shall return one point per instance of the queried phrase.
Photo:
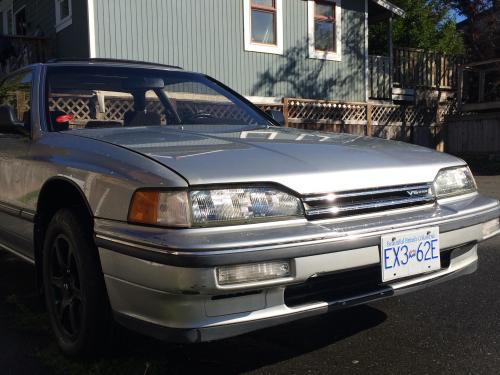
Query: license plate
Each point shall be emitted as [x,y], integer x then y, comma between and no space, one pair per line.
[410,253]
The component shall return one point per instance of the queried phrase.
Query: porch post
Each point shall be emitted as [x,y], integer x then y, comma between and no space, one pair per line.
[391,56]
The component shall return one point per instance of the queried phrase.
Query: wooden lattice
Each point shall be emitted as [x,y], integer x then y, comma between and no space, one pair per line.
[117,107]
[85,108]
[329,111]
[78,106]
[447,109]
[387,114]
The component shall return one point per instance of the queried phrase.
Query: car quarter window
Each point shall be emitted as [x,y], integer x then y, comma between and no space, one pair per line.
[15,92]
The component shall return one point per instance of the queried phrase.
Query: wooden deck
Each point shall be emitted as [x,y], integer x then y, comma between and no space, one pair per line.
[25,50]
[411,70]
[479,87]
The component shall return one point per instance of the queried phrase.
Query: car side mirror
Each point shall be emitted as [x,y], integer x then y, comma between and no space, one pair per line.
[277,116]
[9,122]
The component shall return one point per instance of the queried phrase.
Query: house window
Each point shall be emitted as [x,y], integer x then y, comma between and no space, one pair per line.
[63,14]
[9,23]
[263,21]
[20,22]
[324,25]
[263,25]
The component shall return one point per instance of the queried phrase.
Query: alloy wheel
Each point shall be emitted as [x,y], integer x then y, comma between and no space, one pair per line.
[65,287]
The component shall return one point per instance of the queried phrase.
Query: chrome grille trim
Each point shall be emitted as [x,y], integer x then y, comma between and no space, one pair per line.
[370,200]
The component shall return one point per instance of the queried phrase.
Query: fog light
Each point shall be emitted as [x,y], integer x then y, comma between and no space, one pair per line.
[247,273]
[491,227]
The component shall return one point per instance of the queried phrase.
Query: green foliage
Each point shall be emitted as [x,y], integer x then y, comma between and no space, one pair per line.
[427,25]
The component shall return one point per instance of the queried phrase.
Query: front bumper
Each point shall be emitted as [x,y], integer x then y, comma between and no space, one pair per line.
[163,283]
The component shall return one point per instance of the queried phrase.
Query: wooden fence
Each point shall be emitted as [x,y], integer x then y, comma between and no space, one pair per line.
[474,135]
[416,124]
[379,84]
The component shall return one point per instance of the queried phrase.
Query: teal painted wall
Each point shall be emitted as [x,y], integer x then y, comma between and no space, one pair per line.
[72,41]
[207,36]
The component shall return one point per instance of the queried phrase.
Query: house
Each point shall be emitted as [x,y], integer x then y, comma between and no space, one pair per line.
[479,88]
[265,49]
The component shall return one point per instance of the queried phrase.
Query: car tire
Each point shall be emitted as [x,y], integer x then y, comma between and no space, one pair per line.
[74,289]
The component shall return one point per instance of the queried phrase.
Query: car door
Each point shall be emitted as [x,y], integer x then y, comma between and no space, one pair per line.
[16,222]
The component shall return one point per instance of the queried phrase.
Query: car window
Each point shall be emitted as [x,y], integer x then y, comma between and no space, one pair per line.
[89,97]
[15,91]
[200,103]
[97,108]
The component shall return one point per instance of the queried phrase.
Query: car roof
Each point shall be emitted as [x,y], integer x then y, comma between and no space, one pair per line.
[109,62]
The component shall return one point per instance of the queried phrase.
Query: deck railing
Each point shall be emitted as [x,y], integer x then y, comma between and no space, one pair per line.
[24,50]
[379,76]
[412,69]
[415,68]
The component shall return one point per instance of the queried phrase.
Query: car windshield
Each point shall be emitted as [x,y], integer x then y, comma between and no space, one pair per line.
[92,97]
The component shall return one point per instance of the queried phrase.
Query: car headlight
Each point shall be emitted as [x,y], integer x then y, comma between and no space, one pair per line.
[455,181]
[213,207]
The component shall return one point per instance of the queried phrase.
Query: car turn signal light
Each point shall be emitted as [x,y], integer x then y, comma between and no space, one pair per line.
[144,208]
[162,208]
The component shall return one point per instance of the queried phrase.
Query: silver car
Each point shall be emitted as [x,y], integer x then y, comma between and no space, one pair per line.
[164,201]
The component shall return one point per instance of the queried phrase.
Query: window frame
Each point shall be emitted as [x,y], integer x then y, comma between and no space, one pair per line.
[311,22]
[14,20]
[62,23]
[252,46]
[7,9]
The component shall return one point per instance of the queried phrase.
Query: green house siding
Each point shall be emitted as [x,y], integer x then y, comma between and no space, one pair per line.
[207,36]
[71,41]
[40,13]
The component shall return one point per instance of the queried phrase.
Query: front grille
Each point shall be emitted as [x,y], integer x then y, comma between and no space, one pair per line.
[364,201]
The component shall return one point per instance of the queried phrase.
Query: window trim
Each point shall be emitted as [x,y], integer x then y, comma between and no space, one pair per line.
[7,6]
[14,20]
[311,18]
[278,25]
[62,23]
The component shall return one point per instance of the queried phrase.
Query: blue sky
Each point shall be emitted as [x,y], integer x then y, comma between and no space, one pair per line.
[457,17]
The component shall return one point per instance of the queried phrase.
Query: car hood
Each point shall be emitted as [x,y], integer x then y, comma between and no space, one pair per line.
[306,162]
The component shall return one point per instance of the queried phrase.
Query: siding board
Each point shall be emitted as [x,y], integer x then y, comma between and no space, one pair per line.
[72,41]
[207,36]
